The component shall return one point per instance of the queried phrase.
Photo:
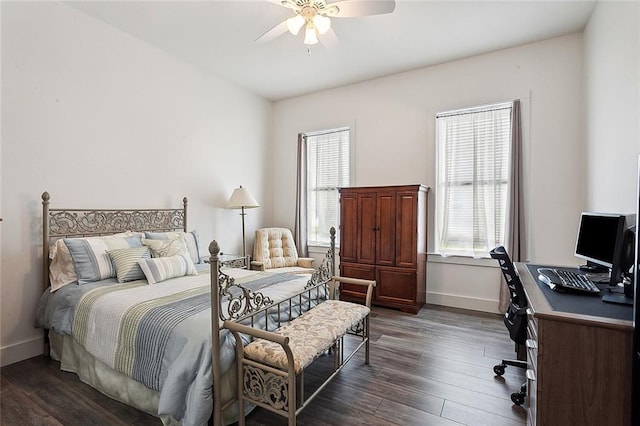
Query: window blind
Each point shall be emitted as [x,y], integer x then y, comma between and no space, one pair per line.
[473,168]
[327,170]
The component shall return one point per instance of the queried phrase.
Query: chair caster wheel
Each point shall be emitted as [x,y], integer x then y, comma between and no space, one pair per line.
[517,398]
[499,369]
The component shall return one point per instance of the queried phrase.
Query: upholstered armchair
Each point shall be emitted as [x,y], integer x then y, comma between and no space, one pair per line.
[274,249]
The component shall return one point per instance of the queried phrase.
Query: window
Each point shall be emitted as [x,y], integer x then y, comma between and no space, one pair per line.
[472,176]
[327,170]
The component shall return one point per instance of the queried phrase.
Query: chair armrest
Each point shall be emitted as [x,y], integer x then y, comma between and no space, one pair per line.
[357,281]
[305,262]
[257,266]
[257,333]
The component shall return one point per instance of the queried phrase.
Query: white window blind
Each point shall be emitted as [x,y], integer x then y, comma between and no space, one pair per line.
[327,170]
[472,176]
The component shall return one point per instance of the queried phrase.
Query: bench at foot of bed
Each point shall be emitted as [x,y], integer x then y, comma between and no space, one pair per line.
[271,367]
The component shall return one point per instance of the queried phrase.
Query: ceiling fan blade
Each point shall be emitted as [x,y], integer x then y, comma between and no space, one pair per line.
[274,32]
[353,8]
[329,39]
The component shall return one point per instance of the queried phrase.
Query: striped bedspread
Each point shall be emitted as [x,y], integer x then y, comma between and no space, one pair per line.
[128,326]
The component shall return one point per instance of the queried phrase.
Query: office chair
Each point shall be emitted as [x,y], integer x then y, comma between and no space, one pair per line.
[515,318]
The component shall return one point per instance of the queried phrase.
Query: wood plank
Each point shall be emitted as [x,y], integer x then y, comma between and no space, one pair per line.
[16,408]
[432,368]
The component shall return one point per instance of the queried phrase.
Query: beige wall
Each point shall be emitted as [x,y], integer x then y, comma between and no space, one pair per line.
[101,119]
[612,115]
[393,122]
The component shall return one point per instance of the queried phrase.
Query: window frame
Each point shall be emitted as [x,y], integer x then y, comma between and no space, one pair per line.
[318,242]
[475,244]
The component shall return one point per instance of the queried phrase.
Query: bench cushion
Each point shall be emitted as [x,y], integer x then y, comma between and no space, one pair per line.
[310,334]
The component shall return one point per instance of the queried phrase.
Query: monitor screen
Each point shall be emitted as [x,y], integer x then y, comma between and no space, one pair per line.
[598,237]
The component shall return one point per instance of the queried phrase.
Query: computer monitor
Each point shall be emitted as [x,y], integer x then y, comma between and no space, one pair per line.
[607,240]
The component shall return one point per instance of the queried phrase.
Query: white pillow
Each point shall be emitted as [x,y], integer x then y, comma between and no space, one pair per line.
[191,238]
[61,269]
[159,269]
[167,248]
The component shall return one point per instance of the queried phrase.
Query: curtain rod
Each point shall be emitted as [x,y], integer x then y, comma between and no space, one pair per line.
[326,132]
[473,110]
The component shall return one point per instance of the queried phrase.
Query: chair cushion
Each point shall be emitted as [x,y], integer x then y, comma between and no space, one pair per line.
[310,334]
[275,248]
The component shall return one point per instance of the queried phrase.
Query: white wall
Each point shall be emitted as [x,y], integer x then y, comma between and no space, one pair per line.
[612,119]
[101,119]
[393,122]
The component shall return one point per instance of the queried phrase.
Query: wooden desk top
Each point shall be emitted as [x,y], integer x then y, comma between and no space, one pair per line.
[541,307]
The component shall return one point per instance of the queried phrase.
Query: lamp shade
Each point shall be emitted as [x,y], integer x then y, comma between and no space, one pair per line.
[240,198]
[310,36]
[294,24]
[322,24]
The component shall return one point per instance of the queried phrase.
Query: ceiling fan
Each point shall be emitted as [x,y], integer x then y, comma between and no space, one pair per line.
[315,16]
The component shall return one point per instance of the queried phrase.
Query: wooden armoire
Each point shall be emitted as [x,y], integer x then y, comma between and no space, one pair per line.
[383,237]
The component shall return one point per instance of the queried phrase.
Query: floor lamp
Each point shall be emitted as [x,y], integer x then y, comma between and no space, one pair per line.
[242,199]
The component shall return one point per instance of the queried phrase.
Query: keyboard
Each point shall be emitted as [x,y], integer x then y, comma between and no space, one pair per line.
[559,278]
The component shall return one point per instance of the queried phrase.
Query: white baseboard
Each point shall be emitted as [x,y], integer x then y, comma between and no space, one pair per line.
[456,301]
[21,351]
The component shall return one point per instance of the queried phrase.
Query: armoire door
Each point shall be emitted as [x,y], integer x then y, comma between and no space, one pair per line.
[386,228]
[406,233]
[367,228]
[396,287]
[348,227]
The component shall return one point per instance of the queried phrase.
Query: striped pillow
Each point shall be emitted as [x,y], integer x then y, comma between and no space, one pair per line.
[158,269]
[126,262]
[90,258]
[191,238]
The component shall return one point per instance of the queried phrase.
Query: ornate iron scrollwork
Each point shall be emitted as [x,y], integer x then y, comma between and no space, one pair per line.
[358,329]
[323,274]
[87,222]
[266,387]
[242,301]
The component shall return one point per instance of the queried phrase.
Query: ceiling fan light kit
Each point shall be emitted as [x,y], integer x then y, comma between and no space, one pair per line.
[309,13]
[315,16]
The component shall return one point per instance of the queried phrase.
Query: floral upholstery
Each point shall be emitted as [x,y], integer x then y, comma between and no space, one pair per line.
[309,335]
[275,248]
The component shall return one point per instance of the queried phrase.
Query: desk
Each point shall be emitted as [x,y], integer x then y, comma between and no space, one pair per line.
[579,365]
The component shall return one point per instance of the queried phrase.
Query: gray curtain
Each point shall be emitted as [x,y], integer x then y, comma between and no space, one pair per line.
[300,227]
[515,238]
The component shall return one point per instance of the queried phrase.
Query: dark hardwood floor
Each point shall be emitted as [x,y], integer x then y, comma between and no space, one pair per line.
[434,368]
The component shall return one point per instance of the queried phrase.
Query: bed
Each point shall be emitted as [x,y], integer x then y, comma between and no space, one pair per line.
[143,335]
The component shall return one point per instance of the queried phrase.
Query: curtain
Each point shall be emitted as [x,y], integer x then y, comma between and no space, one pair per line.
[473,172]
[515,238]
[300,226]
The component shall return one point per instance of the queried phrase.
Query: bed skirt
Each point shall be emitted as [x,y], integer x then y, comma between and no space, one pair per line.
[74,358]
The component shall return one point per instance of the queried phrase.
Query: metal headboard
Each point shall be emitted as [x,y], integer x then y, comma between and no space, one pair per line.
[66,223]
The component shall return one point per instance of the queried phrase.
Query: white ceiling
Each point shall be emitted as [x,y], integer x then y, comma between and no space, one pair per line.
[219,36]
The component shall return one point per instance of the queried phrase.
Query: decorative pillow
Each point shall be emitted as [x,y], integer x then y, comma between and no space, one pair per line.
[167,248]
[61,268]
[126,260]
[191,238]
[90,258]
[162,268]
